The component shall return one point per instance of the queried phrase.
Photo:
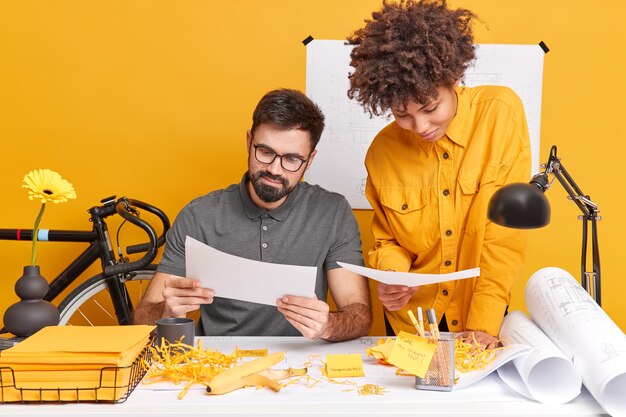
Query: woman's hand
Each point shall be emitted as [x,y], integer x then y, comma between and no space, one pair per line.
[395,297]
[484,340]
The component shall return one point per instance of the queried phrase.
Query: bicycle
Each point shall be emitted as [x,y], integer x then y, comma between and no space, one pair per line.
[111,294]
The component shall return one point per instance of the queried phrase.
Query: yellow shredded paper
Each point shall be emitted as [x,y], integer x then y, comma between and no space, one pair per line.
[181,363]
[371,389]
[472,356]
[178,362]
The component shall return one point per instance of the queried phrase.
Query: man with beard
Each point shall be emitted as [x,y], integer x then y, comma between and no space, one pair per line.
[270,216]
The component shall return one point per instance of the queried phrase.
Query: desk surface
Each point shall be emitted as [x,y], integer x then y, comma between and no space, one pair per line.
[487,397]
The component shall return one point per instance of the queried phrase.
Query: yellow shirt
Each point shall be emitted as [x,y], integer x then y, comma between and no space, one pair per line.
[430,208]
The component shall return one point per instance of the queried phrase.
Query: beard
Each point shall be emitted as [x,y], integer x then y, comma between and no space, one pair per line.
[268,193]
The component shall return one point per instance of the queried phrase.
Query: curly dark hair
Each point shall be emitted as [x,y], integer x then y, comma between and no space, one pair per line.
[406,51]
[289,109]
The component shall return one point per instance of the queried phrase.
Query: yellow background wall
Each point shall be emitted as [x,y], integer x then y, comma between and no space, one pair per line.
[151,99]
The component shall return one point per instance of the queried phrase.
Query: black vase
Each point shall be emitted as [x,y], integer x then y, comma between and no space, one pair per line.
[32,313]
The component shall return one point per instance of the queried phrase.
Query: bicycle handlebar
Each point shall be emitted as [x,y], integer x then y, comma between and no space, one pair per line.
[125,208]
[143,247]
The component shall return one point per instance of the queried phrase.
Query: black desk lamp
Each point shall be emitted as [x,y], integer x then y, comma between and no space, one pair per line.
[524,206]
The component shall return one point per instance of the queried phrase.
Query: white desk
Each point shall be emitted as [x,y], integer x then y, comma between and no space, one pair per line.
[487,397]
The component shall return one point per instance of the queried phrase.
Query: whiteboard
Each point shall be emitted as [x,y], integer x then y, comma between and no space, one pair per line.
[339,164]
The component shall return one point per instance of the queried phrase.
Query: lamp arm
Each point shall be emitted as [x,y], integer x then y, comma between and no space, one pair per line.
[584,203]
[554,166]
[595,253]
[589,280]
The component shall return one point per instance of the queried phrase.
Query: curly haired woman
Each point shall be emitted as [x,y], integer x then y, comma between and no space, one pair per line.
[432,171]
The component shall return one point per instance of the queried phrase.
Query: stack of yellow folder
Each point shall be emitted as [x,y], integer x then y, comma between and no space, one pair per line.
[72,363]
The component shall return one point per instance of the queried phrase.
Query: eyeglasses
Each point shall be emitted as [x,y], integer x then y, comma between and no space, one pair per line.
[266,155]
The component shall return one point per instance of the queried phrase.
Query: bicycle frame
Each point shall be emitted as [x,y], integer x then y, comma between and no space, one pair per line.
[100,247]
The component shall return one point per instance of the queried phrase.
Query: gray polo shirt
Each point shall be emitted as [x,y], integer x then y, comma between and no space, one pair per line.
[313,227]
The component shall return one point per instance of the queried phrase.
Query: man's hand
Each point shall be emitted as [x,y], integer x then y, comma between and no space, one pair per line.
[395,297]
[182,295]
[308,315]
[484,340]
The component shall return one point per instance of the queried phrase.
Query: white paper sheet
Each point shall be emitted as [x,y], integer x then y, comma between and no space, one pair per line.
[244,279]
[545,373]
[408,278]
[503,356]
[578,326]
[349,130]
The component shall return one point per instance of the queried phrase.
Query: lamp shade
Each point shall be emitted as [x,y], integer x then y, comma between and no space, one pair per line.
[520,206]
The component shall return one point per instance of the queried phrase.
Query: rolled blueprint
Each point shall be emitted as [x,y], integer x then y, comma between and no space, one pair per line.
[579,327]
[545,373]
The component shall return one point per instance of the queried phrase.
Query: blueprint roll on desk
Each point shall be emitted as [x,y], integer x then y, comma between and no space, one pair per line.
[489,396]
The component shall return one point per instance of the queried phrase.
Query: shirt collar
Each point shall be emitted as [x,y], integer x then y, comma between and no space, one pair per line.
[253,211]
[459,127]
[427,146]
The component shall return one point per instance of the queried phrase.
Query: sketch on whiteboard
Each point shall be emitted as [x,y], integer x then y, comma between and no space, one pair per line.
[339,166]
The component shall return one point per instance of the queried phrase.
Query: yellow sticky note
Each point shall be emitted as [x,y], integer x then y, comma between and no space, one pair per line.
[381,351]
[344,365]
[412,353]
[252,353]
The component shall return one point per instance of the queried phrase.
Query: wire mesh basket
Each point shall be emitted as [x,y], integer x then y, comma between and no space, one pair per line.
[440,373]
[113,385]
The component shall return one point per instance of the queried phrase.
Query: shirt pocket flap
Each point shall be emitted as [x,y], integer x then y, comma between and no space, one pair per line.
[404,200]
[470,182]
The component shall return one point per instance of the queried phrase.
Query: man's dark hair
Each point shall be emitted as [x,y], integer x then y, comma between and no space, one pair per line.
[408,50]
[289,109]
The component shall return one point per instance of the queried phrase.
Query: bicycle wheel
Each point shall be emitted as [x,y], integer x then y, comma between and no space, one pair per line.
[90,304]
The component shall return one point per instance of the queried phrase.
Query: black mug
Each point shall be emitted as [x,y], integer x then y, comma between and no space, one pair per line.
[175,330]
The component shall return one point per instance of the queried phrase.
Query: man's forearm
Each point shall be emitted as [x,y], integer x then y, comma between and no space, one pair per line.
[350,322]
[148,313]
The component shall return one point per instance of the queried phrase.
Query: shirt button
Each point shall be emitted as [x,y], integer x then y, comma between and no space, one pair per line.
[405,206]
[264,246]
[444,292]
[446,192]
[446,263]
[445,155]
[455,322]
[448,232]
[264,227]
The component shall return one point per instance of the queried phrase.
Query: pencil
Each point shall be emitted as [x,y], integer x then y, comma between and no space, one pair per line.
[432,324]
[415,323]
[420,318]
[441,363]
[431,318]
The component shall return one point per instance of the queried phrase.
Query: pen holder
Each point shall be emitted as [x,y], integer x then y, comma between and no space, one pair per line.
[440,374]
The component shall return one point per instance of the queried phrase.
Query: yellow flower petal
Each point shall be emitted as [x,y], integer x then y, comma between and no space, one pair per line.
[48,186]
